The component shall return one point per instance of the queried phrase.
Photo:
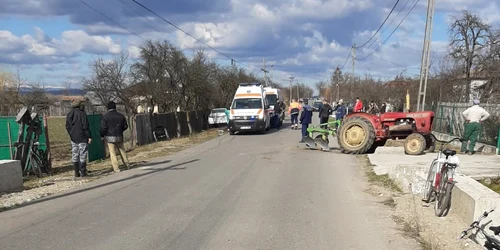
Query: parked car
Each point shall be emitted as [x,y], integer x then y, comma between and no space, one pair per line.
[217,117]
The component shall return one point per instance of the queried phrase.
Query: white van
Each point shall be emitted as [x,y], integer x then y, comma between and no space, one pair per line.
[273,96]
[249,109]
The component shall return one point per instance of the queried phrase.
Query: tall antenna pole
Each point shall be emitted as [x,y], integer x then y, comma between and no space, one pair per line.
[291,79]
[353,65]
[426,52]
[265,71]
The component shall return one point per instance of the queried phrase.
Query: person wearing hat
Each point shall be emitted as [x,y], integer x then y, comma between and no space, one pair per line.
[473,116]
[78,129]
[305,118]
[113,124]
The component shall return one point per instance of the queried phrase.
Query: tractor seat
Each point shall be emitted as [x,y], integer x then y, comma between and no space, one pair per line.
[449,152]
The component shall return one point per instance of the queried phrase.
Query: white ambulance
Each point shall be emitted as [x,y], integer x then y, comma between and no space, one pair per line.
[273,96]
[249,109]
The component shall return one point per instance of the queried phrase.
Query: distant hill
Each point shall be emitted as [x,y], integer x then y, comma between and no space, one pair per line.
[56,91]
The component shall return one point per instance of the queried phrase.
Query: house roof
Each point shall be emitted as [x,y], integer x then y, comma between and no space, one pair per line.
[71,98]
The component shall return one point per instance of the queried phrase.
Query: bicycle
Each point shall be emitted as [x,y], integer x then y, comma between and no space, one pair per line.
[439,183]
[36,161]
[491,242]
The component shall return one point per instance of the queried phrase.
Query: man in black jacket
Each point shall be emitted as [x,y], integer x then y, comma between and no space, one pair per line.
[78,129]
[112,126]
[324,113]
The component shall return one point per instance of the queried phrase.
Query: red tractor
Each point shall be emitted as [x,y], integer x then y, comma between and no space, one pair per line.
[362,133]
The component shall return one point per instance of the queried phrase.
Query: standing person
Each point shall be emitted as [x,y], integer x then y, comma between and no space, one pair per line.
[324,113]
[401,106]
[305,119]
[473,116]
[78,129]
[372,108]
[112,126]
[227,112]
[294,110]
[340,112]
[383,108]
[358,107]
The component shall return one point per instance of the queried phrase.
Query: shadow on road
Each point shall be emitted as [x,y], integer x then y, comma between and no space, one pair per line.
[171,167]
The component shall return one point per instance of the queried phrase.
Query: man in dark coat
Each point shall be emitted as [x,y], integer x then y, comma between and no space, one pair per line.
[113,124]
[324,113]
[305,118]
[78,129]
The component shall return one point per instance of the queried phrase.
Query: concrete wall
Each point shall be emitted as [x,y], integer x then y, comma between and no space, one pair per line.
[487,149]
[11,176]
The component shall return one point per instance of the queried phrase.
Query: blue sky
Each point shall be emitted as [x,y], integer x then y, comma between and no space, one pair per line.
[52,41]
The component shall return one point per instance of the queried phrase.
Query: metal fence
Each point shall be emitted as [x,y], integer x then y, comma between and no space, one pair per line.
[449,120]
[176,124]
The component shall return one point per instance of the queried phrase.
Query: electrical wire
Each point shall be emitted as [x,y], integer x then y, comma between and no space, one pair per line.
[186,33]
[389,24]
[404,18]
[110,19]
[347,59]
[393,7]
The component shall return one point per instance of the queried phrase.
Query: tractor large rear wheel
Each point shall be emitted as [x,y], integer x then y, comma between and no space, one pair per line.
[356,135]
[415,144]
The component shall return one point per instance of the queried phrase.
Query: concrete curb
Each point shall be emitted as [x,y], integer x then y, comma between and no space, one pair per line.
[484,148]
[469,197]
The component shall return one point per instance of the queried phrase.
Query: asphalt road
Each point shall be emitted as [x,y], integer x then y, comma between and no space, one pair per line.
[234,192]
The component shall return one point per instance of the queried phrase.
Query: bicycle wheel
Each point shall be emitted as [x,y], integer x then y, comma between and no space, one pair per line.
[36,166]
[443,196]
[46,167]
[428,190]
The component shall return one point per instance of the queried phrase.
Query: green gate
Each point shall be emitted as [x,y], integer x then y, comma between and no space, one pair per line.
[5,121]
[96,148]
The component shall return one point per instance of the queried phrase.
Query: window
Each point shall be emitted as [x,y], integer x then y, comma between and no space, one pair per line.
[272,99]
[218,111]
[247,103]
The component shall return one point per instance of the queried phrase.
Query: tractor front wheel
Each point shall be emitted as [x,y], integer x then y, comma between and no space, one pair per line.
[356,135]
[415,144]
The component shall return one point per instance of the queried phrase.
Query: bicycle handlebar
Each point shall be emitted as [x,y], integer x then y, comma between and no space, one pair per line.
[475,223]
[446,142]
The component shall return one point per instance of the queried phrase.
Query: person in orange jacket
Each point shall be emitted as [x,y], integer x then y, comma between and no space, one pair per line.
[294,110]
[358,107]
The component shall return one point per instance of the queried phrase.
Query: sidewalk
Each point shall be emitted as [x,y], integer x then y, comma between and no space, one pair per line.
[469,197]
[474,166]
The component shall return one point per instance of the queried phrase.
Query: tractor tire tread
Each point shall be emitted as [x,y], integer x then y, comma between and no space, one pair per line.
[369,142]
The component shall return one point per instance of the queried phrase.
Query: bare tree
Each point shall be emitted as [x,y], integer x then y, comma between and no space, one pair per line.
[469,35]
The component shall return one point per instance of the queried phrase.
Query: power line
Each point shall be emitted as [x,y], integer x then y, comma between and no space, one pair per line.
[393,7]
[110,19]
[392,20]
[180,29]
[404,18]
[347,59]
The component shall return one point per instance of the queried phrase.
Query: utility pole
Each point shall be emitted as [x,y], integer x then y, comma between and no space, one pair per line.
[426,52]
[291,79]
[337,72]
[298,94]
[353,66]
[265,71]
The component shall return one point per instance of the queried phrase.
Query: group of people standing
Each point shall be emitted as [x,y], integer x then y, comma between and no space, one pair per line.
[306,113]
[112,126]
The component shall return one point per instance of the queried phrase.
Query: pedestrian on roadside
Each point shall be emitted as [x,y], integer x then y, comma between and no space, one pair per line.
[77,126]
[324,113]
[305,119]
[372,108]
[227,112]
[358,107]
[383,107]
[340,112]
[473,116]
[294,110]
[113,124]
